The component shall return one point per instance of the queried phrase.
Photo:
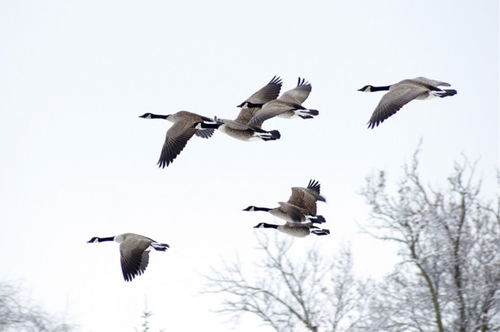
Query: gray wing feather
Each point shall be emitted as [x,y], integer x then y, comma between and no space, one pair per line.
[292,211]
[246,114]
[303,199]
[176,139]
[134,257]
[272,109]
[392,102]
[314,188]
[269,92]
[299,94]
[205,133]
[428,81]
[240,126]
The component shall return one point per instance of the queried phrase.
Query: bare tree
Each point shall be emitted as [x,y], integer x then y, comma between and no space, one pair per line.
[317,292]
[18,316]
[449,239]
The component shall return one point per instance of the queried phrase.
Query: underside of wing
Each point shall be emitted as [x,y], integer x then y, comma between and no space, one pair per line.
[392,102]
[133,261]
[175,141]
[204,133]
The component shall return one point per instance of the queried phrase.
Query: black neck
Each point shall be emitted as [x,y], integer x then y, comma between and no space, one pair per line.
[103,239]
[256,208]
[249,105]
[269,225]
[380,88]
[159,116]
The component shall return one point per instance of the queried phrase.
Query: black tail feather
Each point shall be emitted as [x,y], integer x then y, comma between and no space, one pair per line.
[314,185]
[275,134]
[317,219]
[448,92]
[321,231]
[160,246]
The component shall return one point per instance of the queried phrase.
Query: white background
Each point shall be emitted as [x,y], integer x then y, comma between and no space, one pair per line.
[77,162]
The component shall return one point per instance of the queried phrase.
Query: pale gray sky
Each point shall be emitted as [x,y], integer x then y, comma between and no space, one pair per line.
[77,161]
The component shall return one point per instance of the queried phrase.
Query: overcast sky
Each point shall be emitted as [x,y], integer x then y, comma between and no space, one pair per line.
[77,162]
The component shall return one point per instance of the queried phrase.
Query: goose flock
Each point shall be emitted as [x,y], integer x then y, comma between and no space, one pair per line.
[300,211]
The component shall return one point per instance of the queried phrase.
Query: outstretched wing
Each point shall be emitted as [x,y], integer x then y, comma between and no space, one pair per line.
[301,198]
[176,139]
[134,261]
[205,133]
[269,92]
[392,102]
[428,81]
[299,94]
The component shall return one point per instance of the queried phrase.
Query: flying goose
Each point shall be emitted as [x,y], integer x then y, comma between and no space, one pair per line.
[180,132]
[296,229]
[240,130]
[134,252]
[301,205]
[402,93]
[288,105]
[239,127]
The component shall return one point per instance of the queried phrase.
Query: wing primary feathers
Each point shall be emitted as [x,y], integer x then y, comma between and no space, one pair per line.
[314,185]
[276,80]
[302,81]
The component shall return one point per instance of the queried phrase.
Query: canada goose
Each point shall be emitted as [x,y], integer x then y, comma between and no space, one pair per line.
[239,127]
[288,105]
[178,135]
[240,130]
[402,93]
[301,205]
[296,229]
[134,252]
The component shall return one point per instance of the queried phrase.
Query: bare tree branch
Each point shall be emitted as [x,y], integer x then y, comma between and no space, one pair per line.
[17,315]
[289,294]
[451,238]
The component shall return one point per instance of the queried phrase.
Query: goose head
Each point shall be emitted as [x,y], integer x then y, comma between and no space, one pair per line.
[154,116]
[366,88]
[95,239]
